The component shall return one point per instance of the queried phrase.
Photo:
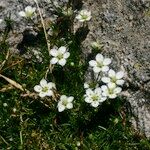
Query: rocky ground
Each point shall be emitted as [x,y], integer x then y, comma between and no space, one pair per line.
[122,26]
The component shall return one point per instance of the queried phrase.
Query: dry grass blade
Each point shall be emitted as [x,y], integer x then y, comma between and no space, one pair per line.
[3,63]
[50,68]
[12,82]
[6,88]
[43,24]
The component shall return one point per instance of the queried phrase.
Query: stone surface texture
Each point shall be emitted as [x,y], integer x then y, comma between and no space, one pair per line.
[123,27]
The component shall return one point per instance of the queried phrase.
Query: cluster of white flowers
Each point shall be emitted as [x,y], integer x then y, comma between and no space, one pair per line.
[47,89]
[110,78]
[59,55]
[97,92]
[28,13]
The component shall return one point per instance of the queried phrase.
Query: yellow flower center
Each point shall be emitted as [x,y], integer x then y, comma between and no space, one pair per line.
[45,89]
[111,91]
[29,14]
[95,97]
[60,56]
[65,102]
[84,17]
[113,79]
[100,64]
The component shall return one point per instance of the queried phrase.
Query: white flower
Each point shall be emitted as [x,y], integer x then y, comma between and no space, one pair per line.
[1,20]
[114,77]
[84,15]
[45,89]
[59,56]
[100,64]
[28,13]
[111,90]
[94,97]
[65,103]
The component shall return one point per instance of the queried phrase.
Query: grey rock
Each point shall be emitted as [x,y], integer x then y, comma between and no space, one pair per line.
[123,28]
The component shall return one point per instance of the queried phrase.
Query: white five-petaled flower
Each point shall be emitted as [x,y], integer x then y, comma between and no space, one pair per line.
[45,88]
[94,97]
[84,15]
[28,13]
[114,77]
[65,103]
[59,55]
[110,90]
[100,64]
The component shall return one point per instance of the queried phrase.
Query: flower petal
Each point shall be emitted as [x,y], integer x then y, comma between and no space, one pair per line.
[96,69]
[107,61]
[54,60]
[63,97]
[112,96]
[43,83]
[120,82]
[22,13]
[104,87]
[51,85]
[111,73]
[119,74]
[92,63]
[89,92]
[111,85]
[70,99]
[105,79]
[98,90]
[88,100]
[117,90]
[28,8]
[62,49]
[102,99]
[54,52]
[42,94]
[69,106]
[49,93]
[62,62]
[105,93]
[79,17]
[66,55]
[38,88]
[95,104]
[99,58]
[105,68]
[61,108]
